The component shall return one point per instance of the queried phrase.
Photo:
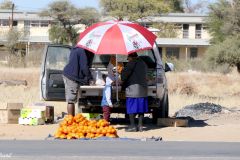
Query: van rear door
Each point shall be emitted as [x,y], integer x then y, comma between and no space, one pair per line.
[55,58]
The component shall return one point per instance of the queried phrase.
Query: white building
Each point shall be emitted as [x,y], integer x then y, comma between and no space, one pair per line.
[192,36]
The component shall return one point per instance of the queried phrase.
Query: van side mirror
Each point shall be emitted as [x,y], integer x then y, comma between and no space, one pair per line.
[169,67]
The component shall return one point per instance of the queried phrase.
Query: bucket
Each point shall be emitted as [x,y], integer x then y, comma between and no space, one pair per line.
[49,114]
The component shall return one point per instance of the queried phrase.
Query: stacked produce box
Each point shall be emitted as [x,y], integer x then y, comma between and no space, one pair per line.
[36,114]
[30,116]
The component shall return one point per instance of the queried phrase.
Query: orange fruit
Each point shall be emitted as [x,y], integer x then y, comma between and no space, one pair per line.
[79,127]
[69,137]
[113,131]
[111,135]
[92,135]
[98,131]
[63,136]
[104,131]
[94,130]
[57,135]
[65,130]
[100,135]
[88,135]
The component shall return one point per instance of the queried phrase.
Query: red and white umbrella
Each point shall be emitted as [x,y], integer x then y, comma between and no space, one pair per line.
[116,37]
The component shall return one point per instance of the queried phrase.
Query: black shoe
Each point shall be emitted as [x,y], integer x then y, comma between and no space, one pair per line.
[131,129]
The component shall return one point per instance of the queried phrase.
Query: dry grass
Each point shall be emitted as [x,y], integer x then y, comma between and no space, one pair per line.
[190,88]
[31,75]
[184,89]
[25,94]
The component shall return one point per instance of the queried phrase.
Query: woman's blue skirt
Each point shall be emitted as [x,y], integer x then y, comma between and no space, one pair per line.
[137,105]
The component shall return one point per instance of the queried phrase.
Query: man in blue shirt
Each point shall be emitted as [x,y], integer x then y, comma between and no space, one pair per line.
[76,73]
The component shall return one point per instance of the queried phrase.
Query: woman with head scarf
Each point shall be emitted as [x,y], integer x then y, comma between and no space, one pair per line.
[134,78]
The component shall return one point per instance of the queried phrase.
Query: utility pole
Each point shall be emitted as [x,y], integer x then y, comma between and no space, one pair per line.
[12,15]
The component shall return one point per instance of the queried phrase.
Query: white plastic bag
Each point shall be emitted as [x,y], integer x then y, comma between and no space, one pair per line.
[97,76]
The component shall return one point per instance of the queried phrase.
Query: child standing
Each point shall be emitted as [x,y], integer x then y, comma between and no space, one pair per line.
[107,91]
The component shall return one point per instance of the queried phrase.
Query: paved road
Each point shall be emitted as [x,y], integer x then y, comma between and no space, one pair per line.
[62,149]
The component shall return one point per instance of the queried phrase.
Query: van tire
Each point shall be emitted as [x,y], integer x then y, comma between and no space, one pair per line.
[163,110]
[164,106]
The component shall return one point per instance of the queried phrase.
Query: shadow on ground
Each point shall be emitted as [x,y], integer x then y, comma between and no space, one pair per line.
[149,125]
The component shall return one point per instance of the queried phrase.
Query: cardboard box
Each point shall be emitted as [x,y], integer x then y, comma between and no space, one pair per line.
[32,113]
[10,112]
[48,110]
[31,121]
[90,116]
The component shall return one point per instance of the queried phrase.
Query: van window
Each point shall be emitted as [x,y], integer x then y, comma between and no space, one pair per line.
[103,60]
[57,57]
[148,57]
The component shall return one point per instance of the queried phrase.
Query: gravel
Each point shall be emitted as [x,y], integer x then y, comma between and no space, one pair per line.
[199,110]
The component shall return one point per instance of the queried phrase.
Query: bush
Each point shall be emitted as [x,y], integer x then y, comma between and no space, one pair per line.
[33,59]
[198,64]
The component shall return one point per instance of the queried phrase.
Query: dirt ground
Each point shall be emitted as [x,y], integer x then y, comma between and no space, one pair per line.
[184,89]
[223,127]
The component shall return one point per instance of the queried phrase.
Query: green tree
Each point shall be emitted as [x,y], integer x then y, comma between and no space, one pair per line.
[176,5]
[167,30]
[65,16]
[89,16]
[14,47]
[224,26]
[6,4]
[226,52]
[136,9]
[217,16]
[13,36]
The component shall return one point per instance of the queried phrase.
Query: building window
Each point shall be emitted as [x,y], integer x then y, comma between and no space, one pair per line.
[185,30]
[15,23]
[4,22]
[44,23]
[36,23]
[173,52]
[26,23]
[193,52]
[198,31]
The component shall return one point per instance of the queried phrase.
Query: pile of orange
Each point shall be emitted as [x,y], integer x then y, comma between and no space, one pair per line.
[79,127]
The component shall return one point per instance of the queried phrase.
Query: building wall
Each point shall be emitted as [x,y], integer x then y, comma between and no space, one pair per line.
[183,50]
[33,31]
[192,31]
[205,34]
[201,51]
[3,30]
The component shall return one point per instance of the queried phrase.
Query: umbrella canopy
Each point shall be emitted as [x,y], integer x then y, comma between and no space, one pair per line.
[116,37]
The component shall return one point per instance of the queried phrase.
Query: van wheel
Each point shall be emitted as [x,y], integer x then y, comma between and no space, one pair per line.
[164,106]
[163,110]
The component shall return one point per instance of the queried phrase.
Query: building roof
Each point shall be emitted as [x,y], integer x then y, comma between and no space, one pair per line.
[22,15]
[186,18]
[182,42]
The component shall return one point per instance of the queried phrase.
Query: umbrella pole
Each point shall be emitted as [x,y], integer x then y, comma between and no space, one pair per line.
[117,79]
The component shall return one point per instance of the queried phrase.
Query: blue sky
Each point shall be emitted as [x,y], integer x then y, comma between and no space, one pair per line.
[40,4]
